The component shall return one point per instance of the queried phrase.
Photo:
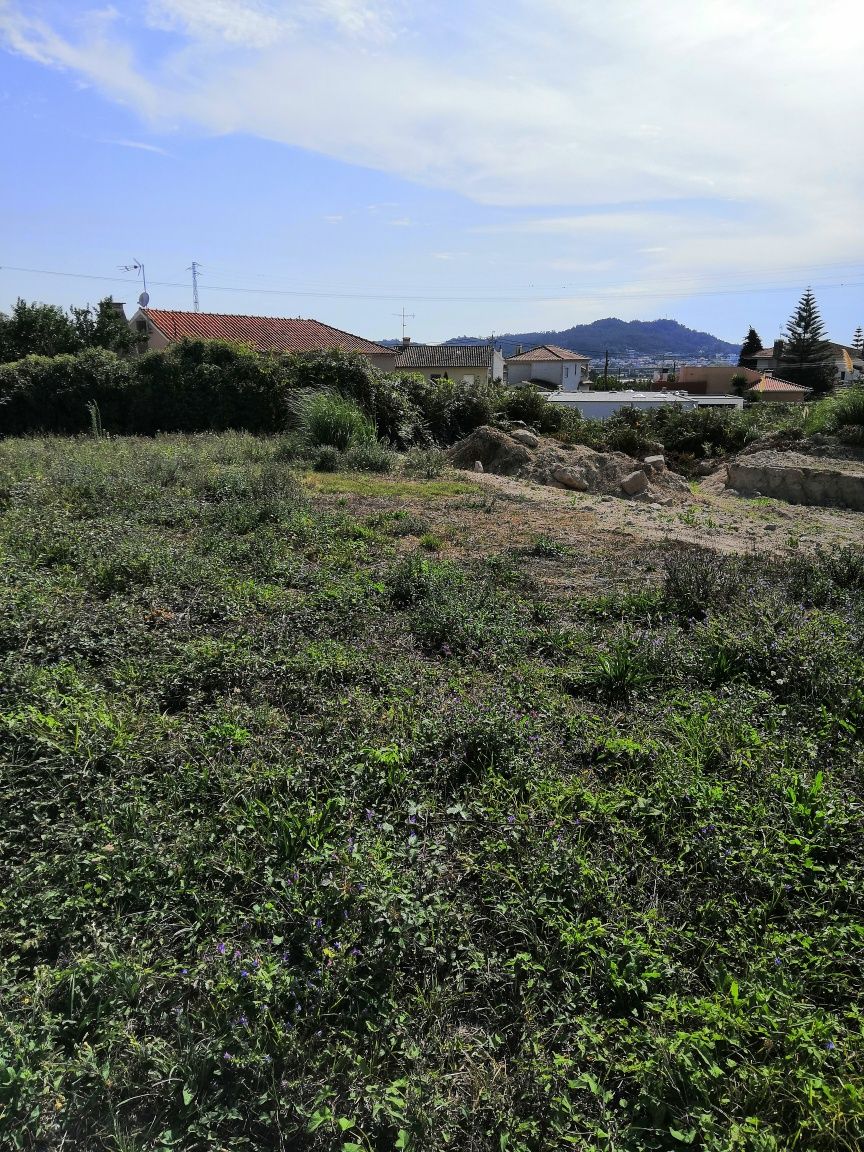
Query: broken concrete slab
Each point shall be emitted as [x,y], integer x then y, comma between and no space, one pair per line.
[799,479]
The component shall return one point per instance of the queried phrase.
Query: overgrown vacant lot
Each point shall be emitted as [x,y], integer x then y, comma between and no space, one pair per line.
[313,838]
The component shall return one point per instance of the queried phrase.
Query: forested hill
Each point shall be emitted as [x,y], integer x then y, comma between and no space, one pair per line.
[621,338]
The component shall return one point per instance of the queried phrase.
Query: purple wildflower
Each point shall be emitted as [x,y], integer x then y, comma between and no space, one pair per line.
[220,948]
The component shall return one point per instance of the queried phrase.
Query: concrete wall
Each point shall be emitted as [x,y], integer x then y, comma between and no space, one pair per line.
[715,380]
[798,480]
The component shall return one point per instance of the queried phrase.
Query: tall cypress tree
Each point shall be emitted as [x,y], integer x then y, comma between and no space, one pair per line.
[752,344]
[858,339]
[808,359]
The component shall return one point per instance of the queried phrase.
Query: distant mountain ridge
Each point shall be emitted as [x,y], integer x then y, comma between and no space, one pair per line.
[622,338]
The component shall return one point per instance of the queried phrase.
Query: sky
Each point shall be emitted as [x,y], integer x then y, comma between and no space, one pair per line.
[485,167]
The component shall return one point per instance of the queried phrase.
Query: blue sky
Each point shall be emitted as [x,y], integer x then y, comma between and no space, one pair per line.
[487,170]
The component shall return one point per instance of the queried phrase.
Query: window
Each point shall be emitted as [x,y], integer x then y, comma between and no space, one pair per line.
[566,371]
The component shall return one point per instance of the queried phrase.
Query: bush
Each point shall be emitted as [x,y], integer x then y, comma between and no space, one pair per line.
[425,462]
[329,459]
[369,456]
[532,407]
[448,409]
[326,418]
[51,394]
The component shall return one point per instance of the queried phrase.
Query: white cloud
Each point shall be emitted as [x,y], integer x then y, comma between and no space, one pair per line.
[676,107]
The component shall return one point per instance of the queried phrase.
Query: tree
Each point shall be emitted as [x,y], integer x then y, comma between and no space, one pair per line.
[752,344]
[106,327]
[740,383]
[35,329]
[858,339]
[808,359]
[46,330]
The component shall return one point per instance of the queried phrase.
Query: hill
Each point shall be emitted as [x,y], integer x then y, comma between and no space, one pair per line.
[621,338]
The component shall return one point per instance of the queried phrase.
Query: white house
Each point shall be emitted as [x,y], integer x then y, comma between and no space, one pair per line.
[549,367]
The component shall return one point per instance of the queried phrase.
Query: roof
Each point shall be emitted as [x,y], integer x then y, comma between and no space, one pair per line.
[266,333]
[546,352]
[771,384]
[444,356]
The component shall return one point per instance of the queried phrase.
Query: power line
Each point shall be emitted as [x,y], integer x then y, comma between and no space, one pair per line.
[609,295]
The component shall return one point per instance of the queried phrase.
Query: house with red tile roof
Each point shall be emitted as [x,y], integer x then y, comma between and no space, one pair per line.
[549,367]
[778,391]
[264,333]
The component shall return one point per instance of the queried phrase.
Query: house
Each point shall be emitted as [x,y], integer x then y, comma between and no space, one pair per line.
[602,405]
[469,363]
[775,391]
[848,361]
[713,379]
[549,367]
[264,333]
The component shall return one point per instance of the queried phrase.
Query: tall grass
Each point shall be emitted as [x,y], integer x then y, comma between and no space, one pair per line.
[326,419]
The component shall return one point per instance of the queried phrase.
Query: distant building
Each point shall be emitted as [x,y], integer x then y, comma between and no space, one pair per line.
[549,367]
[848,361]
[468,363]
[602,405]
[775,391]
[713,379]
[263,333]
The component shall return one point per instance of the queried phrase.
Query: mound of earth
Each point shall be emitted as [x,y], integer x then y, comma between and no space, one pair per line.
[544,461]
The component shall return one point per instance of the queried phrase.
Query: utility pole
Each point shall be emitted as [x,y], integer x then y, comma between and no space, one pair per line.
[196,304]
[405,316]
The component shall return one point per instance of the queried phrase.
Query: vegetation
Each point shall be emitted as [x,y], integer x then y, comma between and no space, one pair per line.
[46,330]
[314,840]
[807,358]
[752,344]
[621,338]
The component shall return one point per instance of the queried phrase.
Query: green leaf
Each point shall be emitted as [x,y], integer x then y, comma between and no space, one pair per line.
[188,1095]
[684,1137]
[344,1123]
[403,1139]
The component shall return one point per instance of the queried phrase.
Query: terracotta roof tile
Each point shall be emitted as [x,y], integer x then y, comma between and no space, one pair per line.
[265,333]
[444,356]
[772,384]
[546,352]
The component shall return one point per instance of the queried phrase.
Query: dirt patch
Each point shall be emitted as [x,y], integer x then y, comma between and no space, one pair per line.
[565,467]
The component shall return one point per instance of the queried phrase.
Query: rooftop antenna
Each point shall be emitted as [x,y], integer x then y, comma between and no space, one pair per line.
[137,266]
[196,303]
[405,316]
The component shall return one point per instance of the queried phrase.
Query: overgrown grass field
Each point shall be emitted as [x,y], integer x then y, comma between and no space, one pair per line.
[310,842]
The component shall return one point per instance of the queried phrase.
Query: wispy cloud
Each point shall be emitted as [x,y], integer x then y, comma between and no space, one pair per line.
[664,101]
[140,145]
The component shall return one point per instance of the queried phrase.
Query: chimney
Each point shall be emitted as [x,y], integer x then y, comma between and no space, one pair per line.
[119,307]
[406,340]
[778,350]
[518,349]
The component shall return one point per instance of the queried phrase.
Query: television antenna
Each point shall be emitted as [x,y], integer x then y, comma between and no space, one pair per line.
[138,267]
[405,316]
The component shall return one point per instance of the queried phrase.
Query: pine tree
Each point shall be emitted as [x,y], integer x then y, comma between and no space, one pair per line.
[858,339]
[808,359]
[752,344]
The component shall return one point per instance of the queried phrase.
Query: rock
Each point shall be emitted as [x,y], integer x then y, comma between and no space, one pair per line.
[634,483]
[518,424]
[655,463]
[571,478]
[523,436]
[706,467]
[478,465]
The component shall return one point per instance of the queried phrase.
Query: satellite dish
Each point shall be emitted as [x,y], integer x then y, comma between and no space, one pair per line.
[143,299]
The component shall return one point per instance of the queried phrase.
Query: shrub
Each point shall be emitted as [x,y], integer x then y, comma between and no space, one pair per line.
[425,462]
[369,456]
[532,407]
[51,394]
[328,459]
[325,418]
